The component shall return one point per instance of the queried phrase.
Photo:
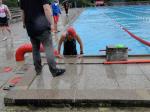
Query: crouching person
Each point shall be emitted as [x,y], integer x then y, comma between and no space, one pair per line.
[69,39]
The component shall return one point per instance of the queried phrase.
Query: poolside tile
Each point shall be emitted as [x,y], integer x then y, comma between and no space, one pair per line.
[145,68]
[105,94]
[95,77]
[41,94]
[127,69]
[46,81]
[133,81]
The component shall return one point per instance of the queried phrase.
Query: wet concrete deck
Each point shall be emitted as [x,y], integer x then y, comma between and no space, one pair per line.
[86,81]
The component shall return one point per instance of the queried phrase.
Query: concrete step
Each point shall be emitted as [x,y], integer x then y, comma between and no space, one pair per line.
[102,98]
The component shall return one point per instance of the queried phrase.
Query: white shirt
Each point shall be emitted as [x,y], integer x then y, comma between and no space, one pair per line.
[3,9]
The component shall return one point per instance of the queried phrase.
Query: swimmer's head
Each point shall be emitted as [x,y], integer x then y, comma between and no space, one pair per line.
[71,31]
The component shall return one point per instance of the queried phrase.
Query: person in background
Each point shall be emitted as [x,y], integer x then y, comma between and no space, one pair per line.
[69,39]
[38,20]
[56,12]
[66,6]
[18,2]
[5,15]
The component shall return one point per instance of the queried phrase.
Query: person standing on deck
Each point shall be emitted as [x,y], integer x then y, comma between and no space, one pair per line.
[38,20]
[66,6]
[5,15]
[56,12]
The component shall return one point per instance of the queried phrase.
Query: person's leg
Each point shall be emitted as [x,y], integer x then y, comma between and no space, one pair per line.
[56,18]
[4,33]
[3,30]
[48,46]
[36,55]
[66,10]
[55,26]
[5,25]
[46,40]
[55,23]
[8,29]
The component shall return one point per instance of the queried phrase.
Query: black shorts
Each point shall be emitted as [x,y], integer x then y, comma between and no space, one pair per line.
[3,21]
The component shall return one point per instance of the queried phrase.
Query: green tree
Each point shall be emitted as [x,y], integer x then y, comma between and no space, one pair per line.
[11,3]
[79,3]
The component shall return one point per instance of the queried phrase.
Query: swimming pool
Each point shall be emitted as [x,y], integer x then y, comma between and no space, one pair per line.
[98,27]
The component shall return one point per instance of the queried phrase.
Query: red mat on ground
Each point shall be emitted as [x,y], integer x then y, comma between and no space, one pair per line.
[15,80]
[7,69]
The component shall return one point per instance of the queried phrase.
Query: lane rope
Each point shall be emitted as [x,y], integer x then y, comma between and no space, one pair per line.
[130,33]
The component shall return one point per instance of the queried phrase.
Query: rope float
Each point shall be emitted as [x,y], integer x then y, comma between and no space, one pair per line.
[136,37]
[130,33]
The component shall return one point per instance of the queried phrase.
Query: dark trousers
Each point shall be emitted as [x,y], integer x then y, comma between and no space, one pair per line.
[66,10]
[46,40]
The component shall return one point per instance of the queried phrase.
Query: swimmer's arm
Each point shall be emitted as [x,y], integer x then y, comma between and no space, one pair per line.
[62,38]
[80,42]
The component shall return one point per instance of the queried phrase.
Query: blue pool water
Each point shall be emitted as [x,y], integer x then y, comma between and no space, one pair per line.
[98,27]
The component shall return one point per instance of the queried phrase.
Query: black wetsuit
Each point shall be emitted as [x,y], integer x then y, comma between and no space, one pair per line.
[70,46]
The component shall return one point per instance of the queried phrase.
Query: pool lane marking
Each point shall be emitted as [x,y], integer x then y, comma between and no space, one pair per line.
[133,11]
[137,11]
[139,17]
[130,33]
